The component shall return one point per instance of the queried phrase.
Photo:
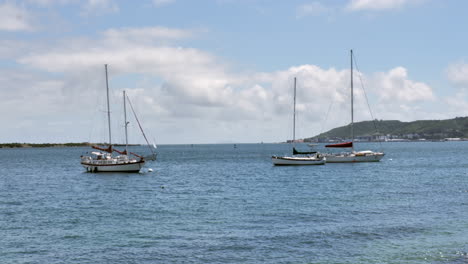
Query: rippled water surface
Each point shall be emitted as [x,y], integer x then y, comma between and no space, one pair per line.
[220,204]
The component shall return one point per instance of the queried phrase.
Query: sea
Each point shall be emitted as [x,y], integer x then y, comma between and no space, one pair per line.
[227,203]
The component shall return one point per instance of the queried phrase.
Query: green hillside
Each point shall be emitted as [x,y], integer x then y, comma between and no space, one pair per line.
[429,129]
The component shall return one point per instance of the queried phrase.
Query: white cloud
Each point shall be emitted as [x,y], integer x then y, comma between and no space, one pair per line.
[11,49]
[457,73]
[196,86]
[458,104]
[311,9]
[397,97]
[99,7]
[88,7]
[357,5]
[395,86]
[159,3]
[174,87]
[52,2]
[146,34]
[14,18]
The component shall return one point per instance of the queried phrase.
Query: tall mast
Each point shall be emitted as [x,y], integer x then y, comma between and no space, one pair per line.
[294,114]
[126,123]
[108,108]
[352,104]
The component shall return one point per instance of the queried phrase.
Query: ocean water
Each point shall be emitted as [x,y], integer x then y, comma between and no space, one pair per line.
[220,204]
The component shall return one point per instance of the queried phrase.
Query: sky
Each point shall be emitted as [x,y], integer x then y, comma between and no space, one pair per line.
[222,71]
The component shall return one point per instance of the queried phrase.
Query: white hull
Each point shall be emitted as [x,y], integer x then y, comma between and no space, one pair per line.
[353,157]
[116,167]
[292,161]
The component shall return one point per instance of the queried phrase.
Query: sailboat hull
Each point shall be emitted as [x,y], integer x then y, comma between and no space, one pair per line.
[114,167]
[295,161]
[351,158]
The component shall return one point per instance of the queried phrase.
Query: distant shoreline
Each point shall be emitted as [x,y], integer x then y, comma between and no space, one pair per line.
[383,141]
[86,144]
[52,145]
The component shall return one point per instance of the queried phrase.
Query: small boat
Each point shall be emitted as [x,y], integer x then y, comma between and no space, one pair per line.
[103,160]
[298,160]
[353,156]
[305,158]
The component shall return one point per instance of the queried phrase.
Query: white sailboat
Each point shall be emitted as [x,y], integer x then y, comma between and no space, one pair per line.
[353,156]
[305,158]
[103,159]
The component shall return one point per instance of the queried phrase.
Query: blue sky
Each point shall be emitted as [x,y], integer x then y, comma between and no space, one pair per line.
[214,71]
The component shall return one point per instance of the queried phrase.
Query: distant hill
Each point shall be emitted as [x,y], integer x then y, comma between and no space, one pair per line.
[428,129]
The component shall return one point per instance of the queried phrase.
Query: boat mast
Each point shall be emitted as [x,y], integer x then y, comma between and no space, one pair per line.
[108,107]
[126,123]
[352,104]
[294,114]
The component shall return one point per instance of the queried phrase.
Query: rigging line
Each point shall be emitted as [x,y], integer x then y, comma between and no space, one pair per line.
[94,132]
[328,113]
[138,121]
[98,133]
[367,100]
[326,116]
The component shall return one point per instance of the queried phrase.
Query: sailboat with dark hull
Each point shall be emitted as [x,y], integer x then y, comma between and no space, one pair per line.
[103,160]
[298,157]
[353,156]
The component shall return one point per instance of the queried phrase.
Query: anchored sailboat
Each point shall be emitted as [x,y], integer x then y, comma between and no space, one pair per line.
[307,158]
[103,160]
[353,156]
